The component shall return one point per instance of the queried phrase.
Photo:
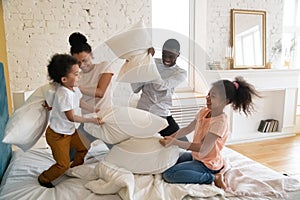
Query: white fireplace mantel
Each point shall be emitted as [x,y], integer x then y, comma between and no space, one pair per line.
[279,91]
[262,79]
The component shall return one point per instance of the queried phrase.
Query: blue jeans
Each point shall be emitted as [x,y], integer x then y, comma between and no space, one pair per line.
[85,134]
[187,170]
[91,139]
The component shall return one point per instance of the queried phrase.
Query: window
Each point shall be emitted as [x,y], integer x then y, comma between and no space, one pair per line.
[291,34]
[249,43]
[171,19]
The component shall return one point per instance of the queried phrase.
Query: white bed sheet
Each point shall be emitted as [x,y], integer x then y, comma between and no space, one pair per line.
[20,180]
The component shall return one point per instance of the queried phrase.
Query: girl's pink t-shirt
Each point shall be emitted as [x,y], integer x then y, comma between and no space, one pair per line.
[217,125]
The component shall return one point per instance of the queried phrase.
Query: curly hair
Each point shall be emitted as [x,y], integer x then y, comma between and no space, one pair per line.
[239,93]
[59,66]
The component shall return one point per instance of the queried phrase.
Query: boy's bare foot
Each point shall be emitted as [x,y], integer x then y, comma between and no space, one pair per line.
[219,181]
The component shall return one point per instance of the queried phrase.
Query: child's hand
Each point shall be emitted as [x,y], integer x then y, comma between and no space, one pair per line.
[167,141]
[46,106]
[97,110]
[99,121]
[151,51]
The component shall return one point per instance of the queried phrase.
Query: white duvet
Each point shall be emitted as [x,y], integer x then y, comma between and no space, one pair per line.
[110,179]
[245,178]
[101,180]
[20,180]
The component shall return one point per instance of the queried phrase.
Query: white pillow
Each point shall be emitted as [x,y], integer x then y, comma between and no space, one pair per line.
[45,92]
[143,155]
[28,123]
[138,68]
[121,123]
[136,39]
[97,151]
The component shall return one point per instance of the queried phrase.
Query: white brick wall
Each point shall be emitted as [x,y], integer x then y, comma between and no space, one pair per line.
[36,29]
[218,23]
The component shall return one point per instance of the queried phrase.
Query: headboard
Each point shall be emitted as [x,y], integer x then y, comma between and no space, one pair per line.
[5,149]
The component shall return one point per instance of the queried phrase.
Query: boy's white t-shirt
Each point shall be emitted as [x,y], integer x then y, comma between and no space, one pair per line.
[64,100]
[91,79]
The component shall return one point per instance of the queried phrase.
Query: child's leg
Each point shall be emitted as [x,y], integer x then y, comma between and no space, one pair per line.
[60,145]
[219,181]
[219,177]
[186,156]
[81,150]
[189,172]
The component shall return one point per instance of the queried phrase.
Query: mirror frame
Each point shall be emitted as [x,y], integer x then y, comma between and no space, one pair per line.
[233,13]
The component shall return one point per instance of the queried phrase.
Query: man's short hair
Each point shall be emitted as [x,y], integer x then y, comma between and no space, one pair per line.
[171,45]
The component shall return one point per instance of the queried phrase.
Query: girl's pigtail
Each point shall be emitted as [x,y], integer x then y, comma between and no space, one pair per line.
[245,93]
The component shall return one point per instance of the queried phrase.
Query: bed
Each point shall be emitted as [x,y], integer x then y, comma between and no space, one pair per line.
[19,171]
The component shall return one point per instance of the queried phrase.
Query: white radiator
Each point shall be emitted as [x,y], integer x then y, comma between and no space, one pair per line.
[185,114]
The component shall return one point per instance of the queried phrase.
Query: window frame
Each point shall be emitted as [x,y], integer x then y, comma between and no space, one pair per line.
[190,87]
[293,30]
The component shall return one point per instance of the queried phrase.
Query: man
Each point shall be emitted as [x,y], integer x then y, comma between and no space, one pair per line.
[156,96]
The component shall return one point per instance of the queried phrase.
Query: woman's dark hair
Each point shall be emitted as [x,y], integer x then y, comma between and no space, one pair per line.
[239,93]
[59,66]
[79,43]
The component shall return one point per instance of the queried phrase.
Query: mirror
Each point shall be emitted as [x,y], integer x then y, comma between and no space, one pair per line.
[248,39]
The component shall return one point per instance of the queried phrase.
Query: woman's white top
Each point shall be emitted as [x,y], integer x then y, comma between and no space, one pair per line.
[91,79]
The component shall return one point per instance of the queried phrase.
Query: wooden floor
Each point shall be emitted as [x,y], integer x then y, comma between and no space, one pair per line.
[281,154]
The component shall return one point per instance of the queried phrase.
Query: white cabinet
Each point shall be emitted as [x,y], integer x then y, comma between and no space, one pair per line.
[279,91]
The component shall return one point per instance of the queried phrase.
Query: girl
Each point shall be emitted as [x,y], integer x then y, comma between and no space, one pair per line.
[61,135]
[204,163]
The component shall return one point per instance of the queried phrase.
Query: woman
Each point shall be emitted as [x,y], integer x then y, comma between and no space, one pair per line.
[95,79]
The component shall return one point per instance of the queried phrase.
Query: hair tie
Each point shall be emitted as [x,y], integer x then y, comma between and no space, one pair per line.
[236,85]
